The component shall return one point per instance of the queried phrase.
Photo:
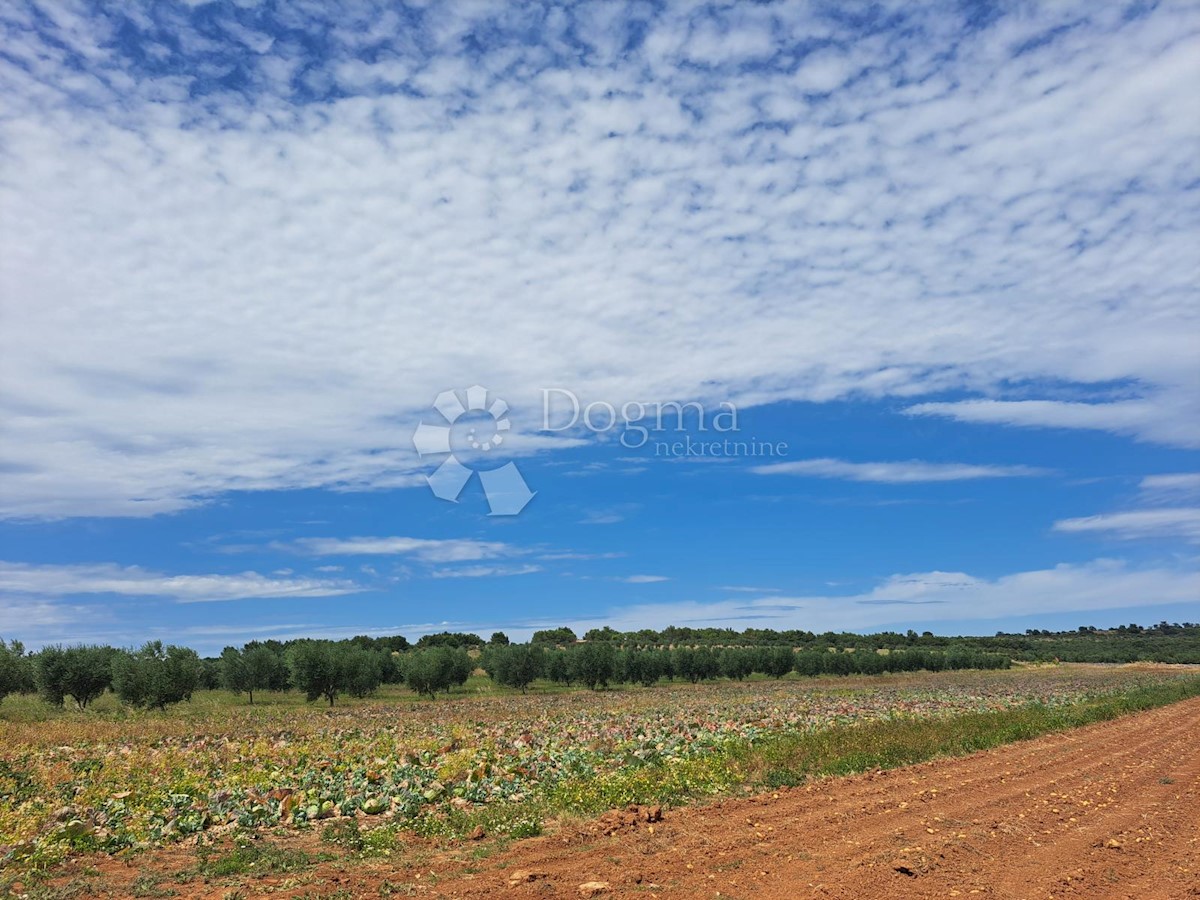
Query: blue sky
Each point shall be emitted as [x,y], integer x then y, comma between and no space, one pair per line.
[945,253]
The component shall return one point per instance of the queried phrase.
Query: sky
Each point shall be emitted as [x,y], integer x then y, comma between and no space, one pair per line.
[786,315]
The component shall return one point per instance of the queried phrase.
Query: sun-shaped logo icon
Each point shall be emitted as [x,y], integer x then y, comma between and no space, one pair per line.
[481,427]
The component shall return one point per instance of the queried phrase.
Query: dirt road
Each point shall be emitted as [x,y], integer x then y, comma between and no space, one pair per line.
[1111,810]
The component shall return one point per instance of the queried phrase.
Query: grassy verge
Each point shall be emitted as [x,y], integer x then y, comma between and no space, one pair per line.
[791,759]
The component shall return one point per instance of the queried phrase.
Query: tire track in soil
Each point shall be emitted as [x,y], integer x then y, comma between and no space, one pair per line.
[1108,810]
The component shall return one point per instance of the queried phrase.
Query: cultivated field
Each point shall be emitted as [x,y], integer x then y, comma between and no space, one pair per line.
[399,795]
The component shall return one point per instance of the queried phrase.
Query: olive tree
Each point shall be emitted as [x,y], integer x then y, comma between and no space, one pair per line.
[439,669]
[247,671]
[515,666]
[14,668]
[594,664]
[154,675]
[82,673]
[325,669]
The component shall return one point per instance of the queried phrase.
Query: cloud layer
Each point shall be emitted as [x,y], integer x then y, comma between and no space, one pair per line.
[958,597]
[244,248]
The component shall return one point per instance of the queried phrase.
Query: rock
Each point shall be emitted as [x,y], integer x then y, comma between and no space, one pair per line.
[594,888]
[522,876]
[478,834]
[631,817]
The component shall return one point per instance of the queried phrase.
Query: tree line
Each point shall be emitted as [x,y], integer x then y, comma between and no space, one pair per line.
[155,676]
[1162,642]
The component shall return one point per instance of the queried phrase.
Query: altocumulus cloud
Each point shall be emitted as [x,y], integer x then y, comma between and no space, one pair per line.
[242,245]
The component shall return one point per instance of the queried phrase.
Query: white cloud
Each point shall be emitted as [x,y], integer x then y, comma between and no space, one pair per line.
[1171,488]
[602,519]
[1181,522]
[207,290]
[896,601]
[485,571]
[132,581]
[909,472]
[428,549]
[611,515]
[1171,418]
[1164,514]
[955,597]
[21,616]
[644,579]
[824,71]
[573,555]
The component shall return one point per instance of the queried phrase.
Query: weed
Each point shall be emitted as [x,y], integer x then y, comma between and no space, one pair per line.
[148,886]
[257,859]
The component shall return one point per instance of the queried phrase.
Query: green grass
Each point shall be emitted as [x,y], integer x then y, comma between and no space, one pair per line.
[792,759]
[28,708]
[256,859]
[150,886]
